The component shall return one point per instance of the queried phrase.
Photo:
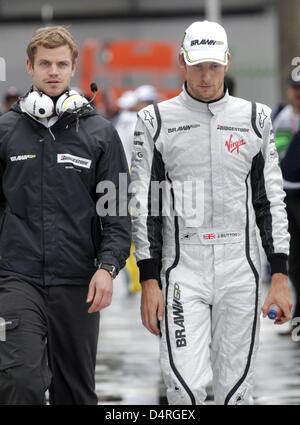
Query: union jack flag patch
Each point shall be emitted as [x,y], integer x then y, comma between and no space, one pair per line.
[209,236]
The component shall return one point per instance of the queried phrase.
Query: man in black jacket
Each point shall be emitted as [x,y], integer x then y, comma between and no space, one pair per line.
[56,253]
[286,126]
[290,166]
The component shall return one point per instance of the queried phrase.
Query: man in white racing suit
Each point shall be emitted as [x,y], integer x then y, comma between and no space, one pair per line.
[199,262]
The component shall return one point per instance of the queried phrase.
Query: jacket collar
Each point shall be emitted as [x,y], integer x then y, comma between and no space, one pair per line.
[214,106]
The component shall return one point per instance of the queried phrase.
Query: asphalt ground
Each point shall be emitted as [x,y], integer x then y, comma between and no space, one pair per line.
[128,372]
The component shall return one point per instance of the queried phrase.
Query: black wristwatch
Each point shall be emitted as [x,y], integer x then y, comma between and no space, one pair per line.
[110,268]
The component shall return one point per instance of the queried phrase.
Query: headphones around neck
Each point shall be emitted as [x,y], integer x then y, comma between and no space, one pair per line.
[39,105]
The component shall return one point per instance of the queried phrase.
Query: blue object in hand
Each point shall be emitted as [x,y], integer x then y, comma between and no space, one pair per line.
[274,311]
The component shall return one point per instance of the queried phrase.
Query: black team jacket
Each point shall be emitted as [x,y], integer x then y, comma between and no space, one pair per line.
[50,230]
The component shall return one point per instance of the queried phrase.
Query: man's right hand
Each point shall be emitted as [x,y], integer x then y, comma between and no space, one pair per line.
[152,305]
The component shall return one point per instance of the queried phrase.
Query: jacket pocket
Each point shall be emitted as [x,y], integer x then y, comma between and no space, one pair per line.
[76,252]
[10,342]
[20,246]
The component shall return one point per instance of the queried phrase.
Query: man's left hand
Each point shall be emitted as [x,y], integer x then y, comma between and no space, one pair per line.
[279,293]
[100,291]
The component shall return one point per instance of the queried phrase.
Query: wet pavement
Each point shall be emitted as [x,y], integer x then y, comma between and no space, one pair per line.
[127,371]
[278,364]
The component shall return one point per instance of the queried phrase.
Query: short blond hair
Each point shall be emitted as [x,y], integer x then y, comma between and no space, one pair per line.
[50,38]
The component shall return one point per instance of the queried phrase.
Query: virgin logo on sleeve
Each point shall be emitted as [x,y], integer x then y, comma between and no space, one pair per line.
[234,146]
[75,160]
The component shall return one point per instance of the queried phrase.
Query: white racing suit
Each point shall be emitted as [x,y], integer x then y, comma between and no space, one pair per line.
[207,257]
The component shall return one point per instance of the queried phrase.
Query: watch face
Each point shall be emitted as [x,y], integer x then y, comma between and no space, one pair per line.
[113,272]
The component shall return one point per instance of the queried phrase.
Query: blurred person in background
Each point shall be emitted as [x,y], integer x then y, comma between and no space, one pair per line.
[287,121]
[146,95]
[129,103]
[10,97]
[200,269]
[125,121]
[286,127]
[58,258]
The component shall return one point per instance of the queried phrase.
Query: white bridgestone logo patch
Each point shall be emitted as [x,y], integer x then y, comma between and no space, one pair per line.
[76,160]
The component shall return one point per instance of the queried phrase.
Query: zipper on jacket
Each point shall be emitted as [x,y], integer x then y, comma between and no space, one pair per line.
[42,140]
[2,227]
[2,222]
[50,131]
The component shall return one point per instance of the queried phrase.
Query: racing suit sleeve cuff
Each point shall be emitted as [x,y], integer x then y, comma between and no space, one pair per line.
[149,269]
[278,263]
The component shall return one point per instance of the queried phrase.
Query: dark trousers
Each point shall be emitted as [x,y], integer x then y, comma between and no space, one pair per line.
[293,211]
[50,342]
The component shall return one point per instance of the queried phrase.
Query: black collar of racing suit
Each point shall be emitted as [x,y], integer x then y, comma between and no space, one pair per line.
[202,101]
[213,106]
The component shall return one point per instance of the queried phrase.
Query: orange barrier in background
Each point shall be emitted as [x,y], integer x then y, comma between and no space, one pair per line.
[118,66]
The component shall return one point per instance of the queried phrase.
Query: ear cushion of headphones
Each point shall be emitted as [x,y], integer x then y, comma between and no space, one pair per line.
[70,100]
[38,104]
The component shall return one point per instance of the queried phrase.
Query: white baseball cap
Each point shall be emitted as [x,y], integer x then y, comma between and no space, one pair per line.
[127,100]
[205,41]
[146,93]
